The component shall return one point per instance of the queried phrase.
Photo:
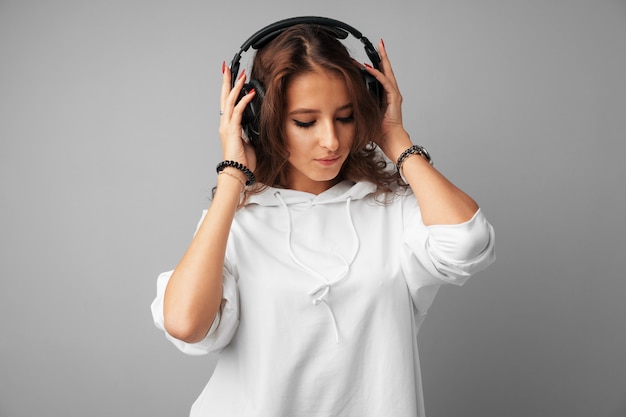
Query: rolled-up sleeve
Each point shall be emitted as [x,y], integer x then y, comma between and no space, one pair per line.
[224,325]
[222,329]
[458,251]
[440,254]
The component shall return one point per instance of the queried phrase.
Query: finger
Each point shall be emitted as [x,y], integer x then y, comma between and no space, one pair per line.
[233,94]
[226,79]
[233,138]
[388,83]
[240,107]
[230,122]
[392,96]
[385,63]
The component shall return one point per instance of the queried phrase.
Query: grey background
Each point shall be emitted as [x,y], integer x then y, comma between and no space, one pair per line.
[108,128]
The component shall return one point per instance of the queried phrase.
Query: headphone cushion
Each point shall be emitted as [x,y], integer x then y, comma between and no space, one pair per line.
[252,112]
[373,86]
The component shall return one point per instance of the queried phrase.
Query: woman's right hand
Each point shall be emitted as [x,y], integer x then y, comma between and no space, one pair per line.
[234,148]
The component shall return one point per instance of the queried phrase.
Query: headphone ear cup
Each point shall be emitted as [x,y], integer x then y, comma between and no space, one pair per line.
[373,86]
[251,114]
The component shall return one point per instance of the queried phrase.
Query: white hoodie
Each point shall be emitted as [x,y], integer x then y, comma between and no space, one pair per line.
[323,298]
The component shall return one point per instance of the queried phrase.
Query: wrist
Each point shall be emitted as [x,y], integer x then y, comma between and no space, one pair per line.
[235,174]
[396,143]
[230,188]
[414,150]
[250,179]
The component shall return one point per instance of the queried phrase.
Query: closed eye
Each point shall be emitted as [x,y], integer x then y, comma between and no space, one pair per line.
[303,124]
[346,120]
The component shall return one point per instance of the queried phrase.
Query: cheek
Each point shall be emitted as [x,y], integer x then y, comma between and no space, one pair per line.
[347,134]
[296,141]
[291,137]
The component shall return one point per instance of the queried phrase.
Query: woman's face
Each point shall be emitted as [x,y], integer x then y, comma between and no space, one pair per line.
[319,129]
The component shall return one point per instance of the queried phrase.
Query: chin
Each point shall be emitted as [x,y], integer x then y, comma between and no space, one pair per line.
[327,177]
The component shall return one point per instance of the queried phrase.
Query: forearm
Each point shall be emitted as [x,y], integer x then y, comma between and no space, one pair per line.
[440,201]
[194,292]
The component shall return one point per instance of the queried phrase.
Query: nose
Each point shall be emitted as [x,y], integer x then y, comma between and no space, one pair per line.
[328,137]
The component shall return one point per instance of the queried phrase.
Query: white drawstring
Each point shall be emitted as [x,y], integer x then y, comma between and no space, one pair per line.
[325,289]
[325,286]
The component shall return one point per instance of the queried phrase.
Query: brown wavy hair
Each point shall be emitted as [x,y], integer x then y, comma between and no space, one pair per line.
[308,48]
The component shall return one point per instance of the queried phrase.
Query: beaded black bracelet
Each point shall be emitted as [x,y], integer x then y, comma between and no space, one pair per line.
[413,150]
[241,167]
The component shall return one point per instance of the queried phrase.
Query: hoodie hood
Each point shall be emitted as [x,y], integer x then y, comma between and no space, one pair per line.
[339,193]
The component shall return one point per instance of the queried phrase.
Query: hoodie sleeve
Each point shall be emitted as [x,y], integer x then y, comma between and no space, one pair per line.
[447,253]
[224,325]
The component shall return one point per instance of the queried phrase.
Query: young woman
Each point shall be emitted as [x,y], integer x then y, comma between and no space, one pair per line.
[311,283]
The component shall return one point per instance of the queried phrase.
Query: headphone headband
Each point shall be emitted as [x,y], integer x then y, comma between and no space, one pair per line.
[262,36]
[268,33]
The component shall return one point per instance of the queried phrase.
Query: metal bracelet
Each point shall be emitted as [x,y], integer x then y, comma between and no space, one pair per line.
[413,150]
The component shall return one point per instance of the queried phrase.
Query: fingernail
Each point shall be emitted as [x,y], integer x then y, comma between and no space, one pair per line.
[223,66]
[382,41]
[367,65]
[251,91]
[243,73]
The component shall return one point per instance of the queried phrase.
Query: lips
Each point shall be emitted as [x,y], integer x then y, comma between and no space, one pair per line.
[328,160]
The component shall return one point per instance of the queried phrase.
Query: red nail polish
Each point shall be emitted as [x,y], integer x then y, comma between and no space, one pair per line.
[382,41]
[367,65]
[223,66]
[242,74]
[251,91]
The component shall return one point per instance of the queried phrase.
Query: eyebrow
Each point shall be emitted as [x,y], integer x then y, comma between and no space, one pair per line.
[309,111]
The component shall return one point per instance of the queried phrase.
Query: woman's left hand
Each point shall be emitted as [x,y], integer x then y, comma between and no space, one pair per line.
[395,138]
[440,201]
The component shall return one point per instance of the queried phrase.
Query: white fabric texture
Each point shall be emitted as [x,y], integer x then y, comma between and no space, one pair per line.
[323,298]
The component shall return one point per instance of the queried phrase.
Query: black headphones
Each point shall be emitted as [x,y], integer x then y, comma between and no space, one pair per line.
[250,119]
